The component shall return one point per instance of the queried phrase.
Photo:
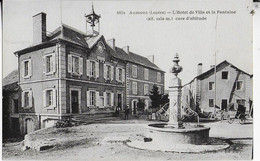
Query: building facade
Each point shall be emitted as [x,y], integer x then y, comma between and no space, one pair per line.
[69,72]
[233,86]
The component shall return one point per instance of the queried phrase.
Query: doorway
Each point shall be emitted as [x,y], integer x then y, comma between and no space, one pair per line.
[29,126]
[119,100]
[75,101]
[134,106]
[224,104]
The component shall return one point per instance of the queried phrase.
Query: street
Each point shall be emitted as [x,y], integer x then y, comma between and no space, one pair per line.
[107,142]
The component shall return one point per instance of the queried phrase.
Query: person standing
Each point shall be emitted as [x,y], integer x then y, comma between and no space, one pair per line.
[126,113]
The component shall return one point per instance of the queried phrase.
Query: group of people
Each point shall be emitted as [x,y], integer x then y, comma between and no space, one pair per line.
[127,111]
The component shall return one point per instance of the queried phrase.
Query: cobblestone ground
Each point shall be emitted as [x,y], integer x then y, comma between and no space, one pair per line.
[108,140]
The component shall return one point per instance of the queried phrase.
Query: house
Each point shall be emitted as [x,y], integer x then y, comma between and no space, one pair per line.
[69,73]
[10,105]
[226,89]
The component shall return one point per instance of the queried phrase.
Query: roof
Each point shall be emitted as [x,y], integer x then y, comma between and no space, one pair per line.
[211,71]
[218,67]
[10,82]
[72,35]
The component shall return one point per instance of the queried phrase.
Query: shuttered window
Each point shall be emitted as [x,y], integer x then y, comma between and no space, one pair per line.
[26,68]
[159,77]
[134,87]
[27,98]
[49,64]
[134,71]
[75,64]
[146,89]
[49,98]
[146,74]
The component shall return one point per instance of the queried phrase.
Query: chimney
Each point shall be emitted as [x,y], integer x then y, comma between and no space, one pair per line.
[126,49]
[199,69]
[151,58]
[39,28]
[112,43]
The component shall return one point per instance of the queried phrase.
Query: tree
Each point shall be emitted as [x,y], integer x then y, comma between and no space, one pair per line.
[140,104]
[155,97]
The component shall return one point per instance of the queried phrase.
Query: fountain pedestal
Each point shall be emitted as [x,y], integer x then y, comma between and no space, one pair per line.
[174,132]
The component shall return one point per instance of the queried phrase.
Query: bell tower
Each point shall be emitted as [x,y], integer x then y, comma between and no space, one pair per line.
[92,20]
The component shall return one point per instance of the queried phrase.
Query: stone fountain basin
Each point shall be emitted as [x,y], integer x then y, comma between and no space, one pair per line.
[165,134]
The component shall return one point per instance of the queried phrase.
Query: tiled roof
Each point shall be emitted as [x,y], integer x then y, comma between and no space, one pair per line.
[10,79]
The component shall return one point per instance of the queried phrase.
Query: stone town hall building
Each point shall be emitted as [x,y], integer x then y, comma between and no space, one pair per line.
[69,72]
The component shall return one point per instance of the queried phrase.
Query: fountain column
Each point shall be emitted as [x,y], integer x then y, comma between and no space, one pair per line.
[175,93]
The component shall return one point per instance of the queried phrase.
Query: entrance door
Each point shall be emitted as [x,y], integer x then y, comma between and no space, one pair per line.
[224,104]
[75,101]
[134,107]
[119,100]
[29,126]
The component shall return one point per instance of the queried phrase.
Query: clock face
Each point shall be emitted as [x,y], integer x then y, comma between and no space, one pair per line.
[101,47]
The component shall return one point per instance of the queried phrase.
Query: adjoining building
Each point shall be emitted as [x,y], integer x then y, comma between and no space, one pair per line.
[70,72]
[225,88]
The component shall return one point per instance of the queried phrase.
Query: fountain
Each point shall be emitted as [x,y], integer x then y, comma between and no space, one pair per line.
[174,135]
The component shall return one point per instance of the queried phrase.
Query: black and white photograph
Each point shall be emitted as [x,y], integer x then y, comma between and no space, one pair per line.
[129,80]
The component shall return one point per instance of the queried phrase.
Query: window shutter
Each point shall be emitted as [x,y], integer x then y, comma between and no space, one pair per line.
[22,69]
[88,98]
[44,64]
[112,99]
[97,98]
[105,98]
[88,67]
[112,73]
[44,98]
[117,74]
[97,69]
[123,75]
[70,63]
[105,71]
[54,97]
[80,66]
[30,67]
[22,99]
[53,63]
[30,98]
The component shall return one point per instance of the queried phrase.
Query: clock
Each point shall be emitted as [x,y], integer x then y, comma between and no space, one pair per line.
[101,46]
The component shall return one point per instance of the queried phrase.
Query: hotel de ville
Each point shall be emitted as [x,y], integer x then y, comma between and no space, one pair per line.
[68,73]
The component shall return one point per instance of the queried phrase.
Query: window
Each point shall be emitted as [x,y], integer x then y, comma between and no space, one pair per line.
[75,64]
[92,68]
[49,64]
[92,98]
[225,75]
[134,71]
[146,89]
[134,87]
[120,74]
[239,85]
[26,69]
[49,97]
[146,74]
[211,102]
[108,98]
[108,72]
[211,86]
[159,77]
[27,98]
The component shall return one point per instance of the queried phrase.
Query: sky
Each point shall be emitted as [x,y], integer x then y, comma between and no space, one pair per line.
[228,35]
